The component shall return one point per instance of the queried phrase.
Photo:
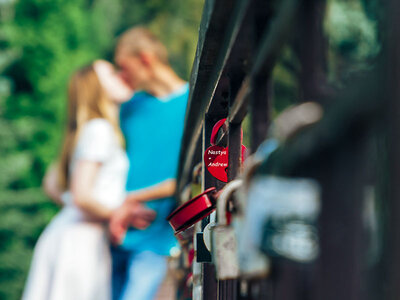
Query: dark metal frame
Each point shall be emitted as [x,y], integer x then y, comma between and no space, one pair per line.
[239,44]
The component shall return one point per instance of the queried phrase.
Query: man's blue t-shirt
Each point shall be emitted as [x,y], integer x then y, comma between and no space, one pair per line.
[153,129]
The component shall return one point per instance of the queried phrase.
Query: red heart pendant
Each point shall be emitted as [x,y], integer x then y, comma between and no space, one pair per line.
[216,157]
[216,161]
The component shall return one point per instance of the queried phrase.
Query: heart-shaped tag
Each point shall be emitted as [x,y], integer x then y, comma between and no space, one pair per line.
[216,157]
[216,162]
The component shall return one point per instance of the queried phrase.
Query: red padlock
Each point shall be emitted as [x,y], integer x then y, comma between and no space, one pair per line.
[216,161]
[216,157]
[193,211]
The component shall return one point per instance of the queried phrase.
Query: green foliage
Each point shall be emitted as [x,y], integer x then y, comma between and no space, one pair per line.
[353,36]
[351,31]
[41,43]
[351,28]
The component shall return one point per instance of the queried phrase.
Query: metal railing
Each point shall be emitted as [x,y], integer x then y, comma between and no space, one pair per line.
[239,45]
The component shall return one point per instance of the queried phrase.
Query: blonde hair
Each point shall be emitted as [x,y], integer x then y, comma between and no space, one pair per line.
[139,39]
[86,100]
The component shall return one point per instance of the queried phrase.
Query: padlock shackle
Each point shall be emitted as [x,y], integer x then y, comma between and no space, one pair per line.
[217,127]
[224,196]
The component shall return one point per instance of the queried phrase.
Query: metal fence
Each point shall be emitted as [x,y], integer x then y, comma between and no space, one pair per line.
[353,152]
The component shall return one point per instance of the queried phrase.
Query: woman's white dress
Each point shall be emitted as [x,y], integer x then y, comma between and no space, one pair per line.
[71,260]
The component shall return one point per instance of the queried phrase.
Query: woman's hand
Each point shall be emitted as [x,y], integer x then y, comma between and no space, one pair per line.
[127,215]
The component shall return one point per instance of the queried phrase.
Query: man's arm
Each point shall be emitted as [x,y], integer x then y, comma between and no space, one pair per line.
[163,189]
[133,213]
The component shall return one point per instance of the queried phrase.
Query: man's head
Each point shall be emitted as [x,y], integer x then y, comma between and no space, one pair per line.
[139,53]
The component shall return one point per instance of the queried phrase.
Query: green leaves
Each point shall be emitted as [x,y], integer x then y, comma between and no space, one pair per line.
[350,31]
[41,43]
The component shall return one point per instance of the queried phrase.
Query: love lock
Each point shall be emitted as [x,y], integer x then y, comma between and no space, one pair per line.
[193,211]
[223,236]
[279,222]
[287,210]
[252,262]
[216,157]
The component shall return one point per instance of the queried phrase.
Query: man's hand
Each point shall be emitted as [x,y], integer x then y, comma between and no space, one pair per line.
[129,214]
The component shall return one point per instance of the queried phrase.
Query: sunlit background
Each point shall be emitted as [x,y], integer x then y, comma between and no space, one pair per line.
[43,41]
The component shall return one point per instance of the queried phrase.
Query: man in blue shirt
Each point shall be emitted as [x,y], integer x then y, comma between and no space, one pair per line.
[152,122]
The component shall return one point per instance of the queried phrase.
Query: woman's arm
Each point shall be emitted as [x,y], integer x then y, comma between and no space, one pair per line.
[82,184]
[50,185]
[163,189]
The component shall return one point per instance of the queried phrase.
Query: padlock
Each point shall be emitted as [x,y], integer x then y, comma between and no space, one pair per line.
[252,262]
[193,211]
[224,245]
[279,222]
[216,157]
[285,213]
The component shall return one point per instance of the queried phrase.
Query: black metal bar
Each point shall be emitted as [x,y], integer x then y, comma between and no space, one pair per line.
[220,25]
[392,228]
[200,98]
[260,110]
[271,43]
[234,154]
[234,48]
[342,178]
[212,28]
[210,286]
[274,37]
[237,67]
[312,48]
[239,109]
[229,287]
[221,290]
[313,87]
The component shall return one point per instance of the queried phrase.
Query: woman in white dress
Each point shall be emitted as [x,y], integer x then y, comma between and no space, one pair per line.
[71,260]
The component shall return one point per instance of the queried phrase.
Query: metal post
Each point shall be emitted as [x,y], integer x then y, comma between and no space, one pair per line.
[342,178]
[312,48]
[260,110]
[209,281]
[392,251]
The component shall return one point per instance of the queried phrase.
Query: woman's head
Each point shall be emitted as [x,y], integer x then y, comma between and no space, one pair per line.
[112,83]
[86,98]
[90,96]
[93,92]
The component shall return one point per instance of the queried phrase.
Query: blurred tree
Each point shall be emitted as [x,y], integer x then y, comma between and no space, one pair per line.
[352,30]
[41,43]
